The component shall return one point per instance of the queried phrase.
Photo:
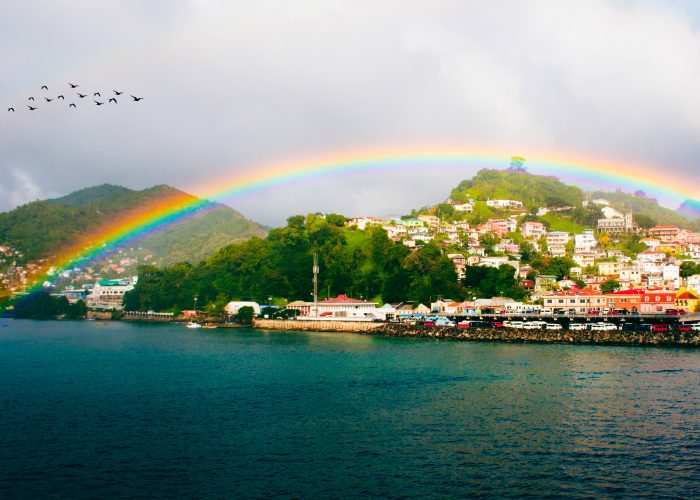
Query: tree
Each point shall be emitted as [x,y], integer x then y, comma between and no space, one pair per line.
[689,268]
[610,285]
[245,315]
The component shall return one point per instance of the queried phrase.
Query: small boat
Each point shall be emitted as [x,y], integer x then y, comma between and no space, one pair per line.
[209,326]
[193,324]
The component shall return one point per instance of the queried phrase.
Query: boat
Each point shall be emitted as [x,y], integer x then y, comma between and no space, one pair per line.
[193,324]
[209,326]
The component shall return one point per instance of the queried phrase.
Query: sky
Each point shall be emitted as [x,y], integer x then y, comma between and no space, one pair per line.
[230,86]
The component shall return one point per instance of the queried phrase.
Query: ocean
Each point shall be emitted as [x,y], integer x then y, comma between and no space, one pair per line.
[117,409]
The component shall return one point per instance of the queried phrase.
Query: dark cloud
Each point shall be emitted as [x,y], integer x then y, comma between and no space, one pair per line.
[232,86]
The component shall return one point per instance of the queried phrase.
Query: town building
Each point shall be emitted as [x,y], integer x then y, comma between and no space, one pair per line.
[664,233]
[533,230]
[580,300]
[617,225]
[658,301]
[508,204]
[585,242]
[109,294]
[344,307]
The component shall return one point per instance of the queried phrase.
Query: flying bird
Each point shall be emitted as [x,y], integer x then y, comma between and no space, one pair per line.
[47,99]
[72,85]
[61,97]
[117,92]
[99,103]
[11,109]
[71,105]
[112,99]
[81,95]
[97,94]
[31,98]
[30,108]
[44,87]
[136,98]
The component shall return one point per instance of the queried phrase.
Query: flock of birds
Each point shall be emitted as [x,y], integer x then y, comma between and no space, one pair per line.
[72,104]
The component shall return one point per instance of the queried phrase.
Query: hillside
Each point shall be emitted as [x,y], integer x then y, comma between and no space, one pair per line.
[40,228]
[536,191]
[689,209]
[533,190]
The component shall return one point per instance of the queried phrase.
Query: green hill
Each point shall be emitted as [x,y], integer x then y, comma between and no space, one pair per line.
[533,190]
[536,191]
[39,229]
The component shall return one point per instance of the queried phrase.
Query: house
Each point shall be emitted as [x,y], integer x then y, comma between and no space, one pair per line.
[362,223]
[585,242]
[499,227]
[430,220]
[344,307]
[664,233]
[630,299]
[582,300]
[556,238]
[687,299]
[464,207]
[545,282]
[303,307]
[533,230]
[658,301]
[504,204]
[584,259]
[441,305]
[650,243]
[617,225]
[609,268]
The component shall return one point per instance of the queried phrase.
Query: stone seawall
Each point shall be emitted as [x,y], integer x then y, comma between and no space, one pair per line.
[319,326]
[677,339]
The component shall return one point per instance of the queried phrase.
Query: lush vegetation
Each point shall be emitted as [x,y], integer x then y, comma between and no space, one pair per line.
[42,305]
[362,264]
[38,229]
[533,190]
[647,211]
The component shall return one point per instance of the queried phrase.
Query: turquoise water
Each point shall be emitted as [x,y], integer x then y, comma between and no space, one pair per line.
[91,409]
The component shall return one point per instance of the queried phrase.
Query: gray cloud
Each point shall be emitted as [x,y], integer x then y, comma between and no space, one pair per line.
[230,86]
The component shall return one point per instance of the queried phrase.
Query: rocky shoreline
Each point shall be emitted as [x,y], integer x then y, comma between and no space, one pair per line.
[657,339]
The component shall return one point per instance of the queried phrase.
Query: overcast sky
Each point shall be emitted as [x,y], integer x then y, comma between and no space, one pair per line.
[232,85]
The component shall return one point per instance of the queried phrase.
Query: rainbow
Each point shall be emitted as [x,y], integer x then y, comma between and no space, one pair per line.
[154,217]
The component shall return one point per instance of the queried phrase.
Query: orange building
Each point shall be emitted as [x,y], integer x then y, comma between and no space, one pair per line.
[630,300]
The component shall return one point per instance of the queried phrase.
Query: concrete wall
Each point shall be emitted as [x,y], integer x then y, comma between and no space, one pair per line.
[319,326]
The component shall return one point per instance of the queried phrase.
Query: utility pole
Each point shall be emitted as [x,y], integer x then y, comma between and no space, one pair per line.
[315,284]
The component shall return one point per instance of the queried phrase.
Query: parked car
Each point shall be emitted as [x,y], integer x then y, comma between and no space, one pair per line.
[578,326]
[559,310]
[497,324]
[594,312]
[444,322]
[463,324]
[695,327]
[603,327]
[553,326]
[534,325]
[515,324]
[684,328]
[673,312]
[659,328]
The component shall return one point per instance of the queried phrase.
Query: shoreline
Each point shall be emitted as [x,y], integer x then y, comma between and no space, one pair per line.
[503,335]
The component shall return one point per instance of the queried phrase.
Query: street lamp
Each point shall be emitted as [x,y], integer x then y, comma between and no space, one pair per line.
[195,304]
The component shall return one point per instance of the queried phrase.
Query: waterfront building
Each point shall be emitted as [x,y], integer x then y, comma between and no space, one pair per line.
[658,301]
[109,294]
[630,299]
[687,299]
[580,300]
[346,307]
[232,308]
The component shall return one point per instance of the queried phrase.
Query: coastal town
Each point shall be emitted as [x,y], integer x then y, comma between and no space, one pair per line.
[660,276]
